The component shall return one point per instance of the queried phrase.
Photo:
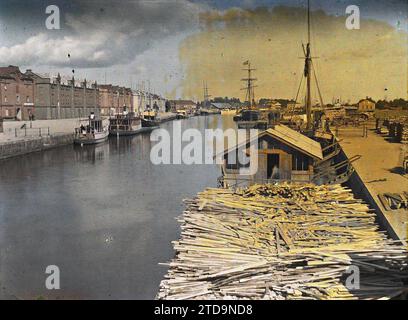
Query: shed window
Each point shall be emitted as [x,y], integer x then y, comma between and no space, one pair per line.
[300,162]
[233,162]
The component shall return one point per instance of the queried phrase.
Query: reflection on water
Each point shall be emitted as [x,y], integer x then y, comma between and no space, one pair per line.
[103,214]
[90,153]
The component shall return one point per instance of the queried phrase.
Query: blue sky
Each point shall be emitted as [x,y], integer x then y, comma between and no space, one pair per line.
[385,10]
[393,12]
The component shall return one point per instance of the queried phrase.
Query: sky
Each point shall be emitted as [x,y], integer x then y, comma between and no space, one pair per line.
[173,45]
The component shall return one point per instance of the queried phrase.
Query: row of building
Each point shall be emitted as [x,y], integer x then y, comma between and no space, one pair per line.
[28,95]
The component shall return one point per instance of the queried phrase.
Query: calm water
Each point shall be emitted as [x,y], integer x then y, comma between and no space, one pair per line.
[105,215]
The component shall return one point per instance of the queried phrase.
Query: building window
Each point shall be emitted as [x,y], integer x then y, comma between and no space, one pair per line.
[233,162]
[5,99]
[28,99]
[300,162]
[18,98]
[5,88]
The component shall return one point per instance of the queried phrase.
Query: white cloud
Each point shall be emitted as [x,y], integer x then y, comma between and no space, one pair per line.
[105,33]
[42,50]
[137,39]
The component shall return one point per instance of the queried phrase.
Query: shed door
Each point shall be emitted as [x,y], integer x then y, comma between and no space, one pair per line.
[286,166]
[262,166]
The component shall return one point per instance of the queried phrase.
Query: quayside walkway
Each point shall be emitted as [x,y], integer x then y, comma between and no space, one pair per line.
[378,171]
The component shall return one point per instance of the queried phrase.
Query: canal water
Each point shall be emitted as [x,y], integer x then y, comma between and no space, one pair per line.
[105,215]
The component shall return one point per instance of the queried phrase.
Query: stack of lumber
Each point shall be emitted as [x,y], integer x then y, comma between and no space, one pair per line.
[282,242]
[404,133]
[394,201]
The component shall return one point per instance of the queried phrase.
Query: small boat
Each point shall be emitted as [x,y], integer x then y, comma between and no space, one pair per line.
[148,124]
[92,133]
[182,114]
[126,124]
[149,120]
[209,111]
[228,112]
[250,119]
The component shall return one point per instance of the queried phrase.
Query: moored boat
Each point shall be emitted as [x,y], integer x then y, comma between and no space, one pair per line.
[182,114]
[228,112]
[250,119]
[125,124]
[91,133]
[250,116]
[149,120]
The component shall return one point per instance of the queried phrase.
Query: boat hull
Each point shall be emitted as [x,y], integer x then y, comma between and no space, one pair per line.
[261,125]
[150,123]
[228,112]
[90,141]
[99,138]
[181,116]
[149,129]
[126,132]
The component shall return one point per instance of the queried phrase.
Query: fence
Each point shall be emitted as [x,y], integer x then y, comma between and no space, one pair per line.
[27,132]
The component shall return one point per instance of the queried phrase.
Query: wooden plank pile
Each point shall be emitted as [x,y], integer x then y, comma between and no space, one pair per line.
[394,201]
[282,241]
[404,133]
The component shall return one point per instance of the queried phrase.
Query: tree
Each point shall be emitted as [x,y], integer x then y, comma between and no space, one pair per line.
[225,100]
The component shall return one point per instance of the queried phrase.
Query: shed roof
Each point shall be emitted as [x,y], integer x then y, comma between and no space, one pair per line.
[291,138]
[221,105]
[297,140]
[367,99]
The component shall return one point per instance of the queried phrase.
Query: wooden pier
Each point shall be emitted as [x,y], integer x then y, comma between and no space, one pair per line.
[378,172]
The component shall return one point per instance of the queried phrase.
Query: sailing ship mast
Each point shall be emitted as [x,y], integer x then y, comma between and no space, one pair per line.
[308,70]
[308,67]
[150,96]
[206,95]
[250,92]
